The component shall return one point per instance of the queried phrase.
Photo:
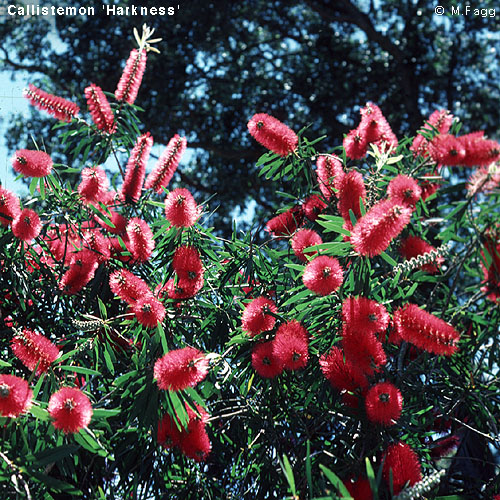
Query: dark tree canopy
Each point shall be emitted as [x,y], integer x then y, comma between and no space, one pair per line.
[307,62]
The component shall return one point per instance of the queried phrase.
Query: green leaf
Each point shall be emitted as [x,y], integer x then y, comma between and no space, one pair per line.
[39,413]
[388,259]
[336,482]
[53,455]
[287,469]
[103,413]
[79,369]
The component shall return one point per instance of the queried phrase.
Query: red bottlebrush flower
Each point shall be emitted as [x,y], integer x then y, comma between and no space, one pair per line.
[149,311]
[329,173]
[181,209]
[383,404]
[9,206]
[375,127]
[313,206]
[479,151]
[413,246]
[81,270]
[26,225]
[355,145]
[404,190]
[94,185]
[195,443]
[187,263]
[445,446]
[286,223]
[136,169]
[341,373]
[429,187]
[54,105]
[264,361]
[441,120]
[374,232]
[258,316]
[166,164]
[169,434]
[94,240]
[34,349]
[425,330]
[303,239]
[446,149]
[128,286]
[119,222]
[15,396]
[491,270]
[291,344]
[364,350]
[360,314]
[71,410]
[351,189]
[182,289]
[140,242]
[405,466]
[131,78]
[484,179]
[360,489]
[99,108]
[323,275]
[32,163]
[273,134]
[180,369]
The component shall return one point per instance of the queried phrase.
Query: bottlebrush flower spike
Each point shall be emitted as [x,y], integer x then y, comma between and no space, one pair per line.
[32,163]
[360,489]
[181,209]
[404,190]
[446,149]
[329,173]
[119,222]
[341,373]
[15,396]
[286,223]
[71,410]
[479,151]
[99,108]
[303,239]
[364,350]
[405,466]
[26,225]
[180,369]
[34,349]
[355,145]
[149,311]
[81,270]
[440,119]
[323,275]
[375,127]
[128,286]
[445,446]
[131,78]
[273,134]
[140,242]
[187,264]
[491,270]
[54,105]
[258,316]
[265,362]
[360,314]
[351,189]
[136,169]
[383,404]
[9,206]
[167,164]
[94,240]
[484,180]
[291,344]
[94,185]
[313,206]
[425,330]
[168,433]
[194,442]
[374,232]
[413,247]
